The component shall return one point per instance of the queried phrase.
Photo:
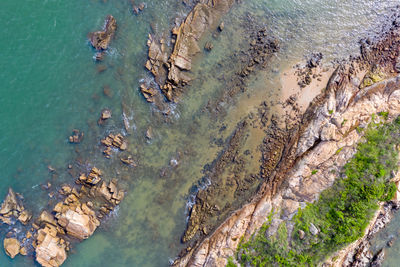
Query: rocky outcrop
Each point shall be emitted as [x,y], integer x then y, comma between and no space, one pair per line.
[113,141]
[77,219]
[171,72]
[50,248]
[314,150]
[101,39]
[12,208]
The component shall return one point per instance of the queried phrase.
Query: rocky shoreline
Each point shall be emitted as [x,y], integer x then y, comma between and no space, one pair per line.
[327,134]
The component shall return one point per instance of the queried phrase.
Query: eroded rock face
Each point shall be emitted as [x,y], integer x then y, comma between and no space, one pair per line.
[101,39]
[50,249]
[12,247]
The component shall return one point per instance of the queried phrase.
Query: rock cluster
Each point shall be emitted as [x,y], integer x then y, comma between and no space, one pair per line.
[148,93]
[136,9]
[171,72]
[101,39]
[76,217]
[76,137]
[113,141]
[12,208]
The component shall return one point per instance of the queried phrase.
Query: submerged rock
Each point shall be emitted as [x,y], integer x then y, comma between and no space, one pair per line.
[101,39]
[12,247]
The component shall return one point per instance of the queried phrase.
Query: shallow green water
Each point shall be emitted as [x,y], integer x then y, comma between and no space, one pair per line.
[49,85]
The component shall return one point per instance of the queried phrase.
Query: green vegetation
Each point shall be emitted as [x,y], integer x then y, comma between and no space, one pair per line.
[342,212]
[338,151]
[330,111]
[314,172]
[231,263]
[384,114]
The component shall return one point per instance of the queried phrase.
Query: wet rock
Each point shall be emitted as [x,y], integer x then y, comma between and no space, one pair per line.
[148,93]
[141,6]
[50,249]
[315,60]
[129,161]
[221,26]
[99,56]
[93,178]
[105,114]
[24,217]
[23,251]
[149,133]
[12,247]
[111,193]
[76,137]
[10,203]
[13,208]
[100,40]
[116,141]
[208,46]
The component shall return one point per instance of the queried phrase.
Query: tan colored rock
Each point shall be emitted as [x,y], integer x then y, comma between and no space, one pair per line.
[11,246]
[101,39]
[78,220]
[50,249]
[46,217]
[10,203]
[23,251]
[105,114]
[24,217]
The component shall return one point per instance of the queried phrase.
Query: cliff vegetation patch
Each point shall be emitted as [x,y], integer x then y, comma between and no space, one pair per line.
[342,212]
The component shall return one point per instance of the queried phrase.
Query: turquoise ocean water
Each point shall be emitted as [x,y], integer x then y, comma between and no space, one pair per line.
[50,84]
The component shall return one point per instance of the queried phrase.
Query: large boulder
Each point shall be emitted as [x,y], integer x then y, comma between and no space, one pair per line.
[11,246]
[50,249]
[77,219]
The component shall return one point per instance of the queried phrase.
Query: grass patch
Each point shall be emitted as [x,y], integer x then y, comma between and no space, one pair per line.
[342,212]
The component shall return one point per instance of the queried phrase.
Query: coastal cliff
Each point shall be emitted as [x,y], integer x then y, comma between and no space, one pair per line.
[317,149]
